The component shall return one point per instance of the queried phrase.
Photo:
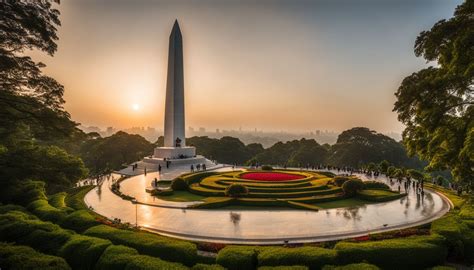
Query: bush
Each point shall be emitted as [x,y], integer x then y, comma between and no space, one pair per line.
[83,252]
[75,197]
[115,257]
[162,192]
[57,200]
[23,257]
[375,185]
[452,228]
[293,267]
[238,257]
[379,195]
[11,207]
[179,184]
[353,266]
[267,168]
[467,210]
[312,257]
[45,211]
[340,180]
[351,186]
[236,190]
[143,262]
[414,252]
[201,266]
[79,221]
[24,192]
[150,244]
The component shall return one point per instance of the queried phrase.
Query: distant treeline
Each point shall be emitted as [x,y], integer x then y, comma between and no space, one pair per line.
[354,148]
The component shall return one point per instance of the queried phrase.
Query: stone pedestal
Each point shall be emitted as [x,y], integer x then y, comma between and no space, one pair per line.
[175,152]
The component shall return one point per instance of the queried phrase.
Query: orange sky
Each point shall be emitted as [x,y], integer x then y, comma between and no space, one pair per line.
[273,65]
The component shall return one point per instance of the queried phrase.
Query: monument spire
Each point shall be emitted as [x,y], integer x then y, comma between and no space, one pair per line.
[174,107]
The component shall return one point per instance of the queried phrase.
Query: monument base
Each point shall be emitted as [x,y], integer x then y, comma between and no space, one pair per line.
[174,152]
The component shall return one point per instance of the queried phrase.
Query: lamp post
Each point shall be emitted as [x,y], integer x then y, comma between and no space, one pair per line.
[134,201]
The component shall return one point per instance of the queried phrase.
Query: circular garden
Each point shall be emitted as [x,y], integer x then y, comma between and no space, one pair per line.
[278,188]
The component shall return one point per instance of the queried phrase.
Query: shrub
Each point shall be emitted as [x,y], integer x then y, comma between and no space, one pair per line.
[57,200]
[238,257]
[312,257]
[351,186]
[179,184]
[24,192]
[201,266]
[23,257]
[236,190]
[467,210]
[293,267]
[353,266]
[45,211]
[149,244]
[267,168]
[75,197]
[414,252]
[115,257]
[11,207]
[451,227]
[83,252]
[379,195]
[340,180]
[375,185]
[143,262]
[162,192]
[79,221]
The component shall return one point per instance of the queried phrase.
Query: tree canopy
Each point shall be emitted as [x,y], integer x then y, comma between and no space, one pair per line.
[435,103]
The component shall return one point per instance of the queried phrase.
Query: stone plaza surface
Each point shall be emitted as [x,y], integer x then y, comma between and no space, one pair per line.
[269,226]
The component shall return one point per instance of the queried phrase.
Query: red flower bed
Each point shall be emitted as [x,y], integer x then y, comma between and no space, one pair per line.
[271,176]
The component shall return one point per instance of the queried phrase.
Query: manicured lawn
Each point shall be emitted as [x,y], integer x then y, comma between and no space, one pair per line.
[182,196]
[271,176]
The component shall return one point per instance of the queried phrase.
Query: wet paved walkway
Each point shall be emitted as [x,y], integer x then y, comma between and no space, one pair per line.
[265,226]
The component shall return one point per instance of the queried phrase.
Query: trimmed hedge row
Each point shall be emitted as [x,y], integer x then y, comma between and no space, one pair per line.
[238,257]
[122,257]
[293,267]
[379,195]
[353,266]
[414,252]
[24,257]
[201,266]
[150,244]
[312,257]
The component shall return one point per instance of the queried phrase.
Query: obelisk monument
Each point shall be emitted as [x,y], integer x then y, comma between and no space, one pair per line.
[175,140]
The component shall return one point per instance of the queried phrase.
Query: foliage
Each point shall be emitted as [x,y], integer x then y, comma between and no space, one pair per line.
[227,149]
[351,187]
[312,257]
[238,257]
[149,244]
[267,168]
[293,153]
[201,266]
[79,221]
[340,180]
[179,184]
[286,267]
[111,153]
[83,252]
[75,197]
[414,252]
[23,192]
[358,146]
[236,190]
[436,103]
[451,227]
[57,200]
[45,211]
[375,185]
[379,195]
[353,266]
[23,257]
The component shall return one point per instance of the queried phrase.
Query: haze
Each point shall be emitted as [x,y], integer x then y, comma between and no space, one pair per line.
[273,65]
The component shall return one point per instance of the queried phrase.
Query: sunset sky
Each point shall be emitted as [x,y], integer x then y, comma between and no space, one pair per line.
[294,65]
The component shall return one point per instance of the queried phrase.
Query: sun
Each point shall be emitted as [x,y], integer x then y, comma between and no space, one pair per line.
[135,107]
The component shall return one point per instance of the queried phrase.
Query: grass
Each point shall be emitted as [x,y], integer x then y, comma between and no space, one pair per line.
[341,203]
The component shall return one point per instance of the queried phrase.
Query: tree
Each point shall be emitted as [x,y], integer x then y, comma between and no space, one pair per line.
[384,165]
[435,103]
[415,174]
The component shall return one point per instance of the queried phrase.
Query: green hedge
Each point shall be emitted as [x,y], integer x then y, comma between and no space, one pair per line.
[238,257]
[142,262]
[23,257]
[45,211]
[379,195]
[115,257]
[214,202]
[467,211]
[375,185]
[79,221]
[312,257]
[201,266]
[454,230]
[414,252]
[83,252]
[149,244]
[57,200]
[75,197]
[353,266]
[11,207]
[293,267]
[23,192]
